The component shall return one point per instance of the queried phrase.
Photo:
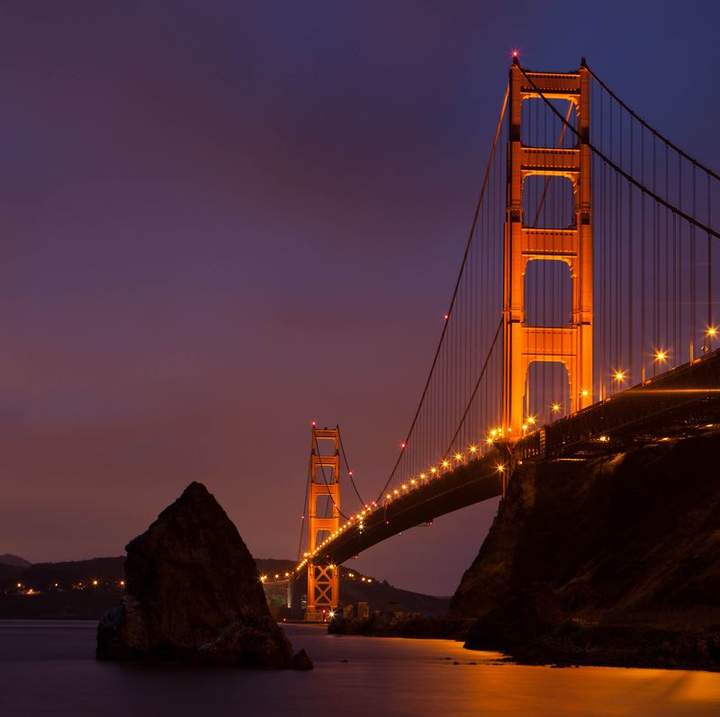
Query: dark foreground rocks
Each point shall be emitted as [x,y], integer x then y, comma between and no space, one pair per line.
[611,560]
[393,625]
[193,594]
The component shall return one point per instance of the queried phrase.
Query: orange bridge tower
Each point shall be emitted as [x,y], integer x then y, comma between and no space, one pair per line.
[323,511]
[524,344]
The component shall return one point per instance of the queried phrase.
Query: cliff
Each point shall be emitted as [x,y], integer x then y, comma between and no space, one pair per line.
[605,560]
[193,594]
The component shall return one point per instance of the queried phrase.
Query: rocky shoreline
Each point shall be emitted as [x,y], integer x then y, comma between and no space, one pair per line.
[413,626]
[608,560]
[566,645]
[605,560]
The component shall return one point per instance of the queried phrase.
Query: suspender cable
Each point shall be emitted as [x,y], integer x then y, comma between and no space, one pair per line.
[448,450]
[347,467]
[455,291]
[655,132]
[675,210]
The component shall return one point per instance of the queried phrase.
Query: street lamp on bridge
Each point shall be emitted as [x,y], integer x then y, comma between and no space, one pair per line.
[619,376]
[660,356]
[710,333]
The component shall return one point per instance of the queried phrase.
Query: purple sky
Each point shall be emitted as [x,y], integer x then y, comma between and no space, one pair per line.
[221,220]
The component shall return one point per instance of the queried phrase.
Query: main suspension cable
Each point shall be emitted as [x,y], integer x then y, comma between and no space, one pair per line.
[448,315]
[647,125]
[347,468]
[675,210]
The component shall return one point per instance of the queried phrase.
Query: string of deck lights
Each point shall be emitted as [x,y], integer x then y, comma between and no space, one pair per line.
[474,451]
[626,353]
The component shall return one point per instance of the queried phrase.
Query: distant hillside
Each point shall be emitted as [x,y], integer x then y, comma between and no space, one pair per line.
[84,589]
[14,561]
[354,587]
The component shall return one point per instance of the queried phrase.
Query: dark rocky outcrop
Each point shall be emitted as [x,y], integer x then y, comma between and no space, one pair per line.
[401,625]
[607,560]
[302,661]
[193,594]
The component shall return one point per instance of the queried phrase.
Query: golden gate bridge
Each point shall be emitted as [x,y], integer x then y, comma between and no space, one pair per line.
[582,319]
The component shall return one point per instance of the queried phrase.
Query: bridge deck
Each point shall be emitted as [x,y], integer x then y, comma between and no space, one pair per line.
[686,396]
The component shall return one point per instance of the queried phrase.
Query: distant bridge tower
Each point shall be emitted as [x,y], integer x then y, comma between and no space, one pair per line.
[524,344]
[323,578]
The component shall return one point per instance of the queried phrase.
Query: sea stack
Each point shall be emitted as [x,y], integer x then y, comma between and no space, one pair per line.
[193,594]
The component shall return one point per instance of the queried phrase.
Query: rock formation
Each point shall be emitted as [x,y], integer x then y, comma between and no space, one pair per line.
[606,560]
[193,594]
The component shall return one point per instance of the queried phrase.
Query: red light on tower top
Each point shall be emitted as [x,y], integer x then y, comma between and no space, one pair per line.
[515,54]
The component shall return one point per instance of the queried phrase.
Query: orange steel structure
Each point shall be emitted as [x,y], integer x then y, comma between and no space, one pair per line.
[323,579]
[524,344]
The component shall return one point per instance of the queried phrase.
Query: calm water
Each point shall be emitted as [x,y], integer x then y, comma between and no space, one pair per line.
[47,668]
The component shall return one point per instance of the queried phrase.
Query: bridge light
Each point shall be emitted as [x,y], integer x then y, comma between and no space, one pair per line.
[524,427]
[263,578]
[604,439]
[402,445]
[458,456]
[515,54]
[433,470]
[473,449]
[403,486]
[388,496]
[619,376]
[489,441]
[276,576]
[711,332]
[396,491]
[555,408]
[423,476]
[493,432]
[584,393]
[531,420]
[500,468]
[445,464]
[661,355]
[413,481]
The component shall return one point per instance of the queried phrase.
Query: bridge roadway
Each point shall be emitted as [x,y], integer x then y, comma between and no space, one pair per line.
[683,399]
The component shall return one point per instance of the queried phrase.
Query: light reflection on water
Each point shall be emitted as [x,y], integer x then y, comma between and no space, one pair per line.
[47,667]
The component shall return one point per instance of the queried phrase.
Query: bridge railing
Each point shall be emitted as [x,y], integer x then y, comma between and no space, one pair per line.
[692,387]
